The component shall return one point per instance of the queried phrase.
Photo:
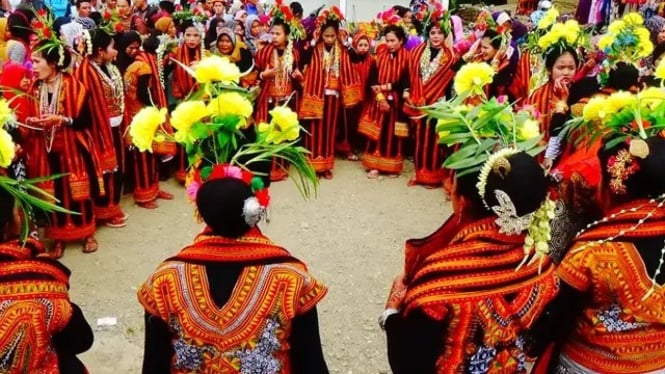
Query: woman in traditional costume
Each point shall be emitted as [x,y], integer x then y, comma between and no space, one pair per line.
[348,141]
[612,276]
[468,295]
[142,88]
[330,86]
[107,95]
[228,46]
[431,75]
[188,54]
[62,143]
[41,330]
[382,121]
[279,77]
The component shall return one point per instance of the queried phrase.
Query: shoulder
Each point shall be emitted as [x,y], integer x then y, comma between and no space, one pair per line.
[306,290]
[139,67]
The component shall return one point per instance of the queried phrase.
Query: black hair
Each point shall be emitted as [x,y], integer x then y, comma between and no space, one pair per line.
[18,24]
[285,26]
[583,88]
[51,53]
[330,23]
[184,25]
[495,40]
[97,17]
[296,8]
[657,52]
[527,197]
[122,41]
[401,10]
[553,55]
[649,180]
[79,2]
[6,210]
[398,31]
[100,40]
[220,203]
[151,43]
[623,77]
[167,6]
[211,34]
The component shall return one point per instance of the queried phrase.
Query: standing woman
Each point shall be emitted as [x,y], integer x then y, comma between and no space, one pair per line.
[64,145]
[189,54]
[382,121]
[330,86]
[279,78]
[236,51]
[362,63]
[252,33]
[142,88]
[431,74]
[107,95]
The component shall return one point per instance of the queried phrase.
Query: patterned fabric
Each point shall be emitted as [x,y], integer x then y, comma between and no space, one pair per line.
[614,276]
[542,99]
[472,284]
[250,333]
[34,305]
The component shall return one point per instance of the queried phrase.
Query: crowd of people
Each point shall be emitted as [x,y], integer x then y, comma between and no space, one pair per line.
[547,131]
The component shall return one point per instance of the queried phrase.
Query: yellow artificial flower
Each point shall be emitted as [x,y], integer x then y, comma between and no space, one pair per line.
[616,27]
[633,19]
[284,125]
[597,110]
[605,42]
[660,70]
[6,112]
[7,148]
[216,69]
[620,100]
[231,103]
[571,31]
[529,129]
[548,18]
[644,48]
[184,116]
[472,77]
[651,97]
[144,127]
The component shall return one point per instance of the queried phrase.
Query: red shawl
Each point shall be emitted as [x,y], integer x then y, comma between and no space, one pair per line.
[183,83]
[156,91]
[264,60]
[101,125]
[541,99]
[390,68]
[73,96]
[427,93]
[313,92]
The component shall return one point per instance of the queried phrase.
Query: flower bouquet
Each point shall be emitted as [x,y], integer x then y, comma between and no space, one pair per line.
[209,124]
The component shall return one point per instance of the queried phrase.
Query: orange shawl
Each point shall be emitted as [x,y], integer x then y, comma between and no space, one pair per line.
[426,93]
[183,83]
[541,99]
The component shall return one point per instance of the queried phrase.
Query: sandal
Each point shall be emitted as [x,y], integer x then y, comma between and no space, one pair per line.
[352,157]
[148,205]
[328,175]
[164,195]
[373,174]
[90,245]
[412,182]
[117,222]
[56,252]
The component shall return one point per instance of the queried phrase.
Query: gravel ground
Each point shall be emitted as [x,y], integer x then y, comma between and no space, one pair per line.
[351,237]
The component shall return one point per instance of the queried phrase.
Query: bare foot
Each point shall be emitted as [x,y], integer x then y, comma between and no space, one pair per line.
[164,195]
[90,245]
[148,205]
[373,174]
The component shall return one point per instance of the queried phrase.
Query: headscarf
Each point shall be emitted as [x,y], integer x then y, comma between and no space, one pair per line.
[235,56]
[239,14]
[358,37]
[249,38]
[11,77]
[162,25]
[655,24]
[122,42]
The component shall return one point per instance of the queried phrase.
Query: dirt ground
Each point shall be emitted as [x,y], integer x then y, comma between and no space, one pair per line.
[351,237]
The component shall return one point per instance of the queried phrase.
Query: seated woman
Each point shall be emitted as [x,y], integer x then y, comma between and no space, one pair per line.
[41,330]
[467,296]
[609,316]
[254,305]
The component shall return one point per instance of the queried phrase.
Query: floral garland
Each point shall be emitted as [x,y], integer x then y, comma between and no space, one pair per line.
[114,80]
[88,42]
[42,25]
[164,42]
[287,58]
[539,234]
[331,61]
[428,66]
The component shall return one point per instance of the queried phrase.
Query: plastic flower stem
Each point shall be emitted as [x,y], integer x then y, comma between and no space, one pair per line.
[638,118]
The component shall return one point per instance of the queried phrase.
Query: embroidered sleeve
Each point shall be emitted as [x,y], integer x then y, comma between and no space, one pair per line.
[574,269]
[311,293]
[146,298]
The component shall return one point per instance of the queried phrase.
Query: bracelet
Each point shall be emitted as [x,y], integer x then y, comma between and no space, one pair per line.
[384,317]
[261,75]
[380,97]
[561,107]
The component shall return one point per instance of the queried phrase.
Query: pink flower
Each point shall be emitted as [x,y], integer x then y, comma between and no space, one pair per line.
[192,190]
[233,172]
[502,99]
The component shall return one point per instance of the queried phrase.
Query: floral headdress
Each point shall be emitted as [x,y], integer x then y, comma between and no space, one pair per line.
[561,36]
[27,195]
[281,11]
[111,22]
[484,136]
[42,25]
[626,40]
[332,14]
[434,15]
[208,125]
[195,15]
[388,18]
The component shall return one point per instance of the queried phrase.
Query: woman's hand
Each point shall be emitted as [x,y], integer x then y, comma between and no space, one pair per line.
[297,75]
[384,106]
[268,74]
[397,293]
[562,88]
[52,121]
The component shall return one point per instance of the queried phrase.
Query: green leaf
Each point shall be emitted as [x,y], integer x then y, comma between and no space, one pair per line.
[614,142]
[465,163]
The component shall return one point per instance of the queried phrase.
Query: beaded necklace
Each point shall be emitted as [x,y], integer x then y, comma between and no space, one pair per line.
[429,66]
[49,106]
[331,62]
[113,80]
